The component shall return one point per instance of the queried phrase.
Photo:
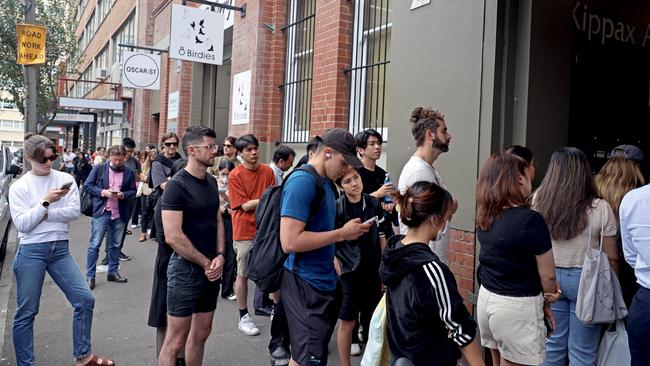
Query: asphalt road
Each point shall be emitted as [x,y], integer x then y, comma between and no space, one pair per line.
[120,321]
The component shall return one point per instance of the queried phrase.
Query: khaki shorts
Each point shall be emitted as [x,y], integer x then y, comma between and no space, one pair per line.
[243,250]
[513,325]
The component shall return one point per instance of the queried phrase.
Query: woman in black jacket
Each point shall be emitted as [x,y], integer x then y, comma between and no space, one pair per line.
[428,323]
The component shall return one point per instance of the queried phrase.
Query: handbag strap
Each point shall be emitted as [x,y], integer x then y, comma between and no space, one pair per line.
[602,225]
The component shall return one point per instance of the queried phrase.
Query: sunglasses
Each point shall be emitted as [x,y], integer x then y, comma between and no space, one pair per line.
[226,145]
[170,144]
[44,159]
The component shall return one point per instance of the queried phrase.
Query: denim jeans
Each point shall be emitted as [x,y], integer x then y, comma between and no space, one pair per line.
[571,336]
[101,226]
[30,264]
[638,328]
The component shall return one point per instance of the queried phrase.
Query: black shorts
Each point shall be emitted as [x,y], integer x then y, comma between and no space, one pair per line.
[311,315]
[361,294]
[188,289]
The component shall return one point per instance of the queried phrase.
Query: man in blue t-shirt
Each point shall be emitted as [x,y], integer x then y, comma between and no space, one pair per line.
[309,282]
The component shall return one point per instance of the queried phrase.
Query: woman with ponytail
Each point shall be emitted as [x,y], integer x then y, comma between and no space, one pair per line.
[428,324]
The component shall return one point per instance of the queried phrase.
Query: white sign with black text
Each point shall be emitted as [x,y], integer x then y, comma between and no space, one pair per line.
[172,106]
[241,98]
[141,70]
[196,35]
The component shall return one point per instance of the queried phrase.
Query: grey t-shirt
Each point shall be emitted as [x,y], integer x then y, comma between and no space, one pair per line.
[418,170]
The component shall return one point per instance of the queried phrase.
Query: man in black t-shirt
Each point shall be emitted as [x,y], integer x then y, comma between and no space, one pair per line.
[369,146]
[194,229]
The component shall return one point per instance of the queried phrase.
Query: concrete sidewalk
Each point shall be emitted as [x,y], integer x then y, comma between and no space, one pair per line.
[120,328]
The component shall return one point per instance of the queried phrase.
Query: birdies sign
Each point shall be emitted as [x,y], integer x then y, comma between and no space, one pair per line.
[196,35]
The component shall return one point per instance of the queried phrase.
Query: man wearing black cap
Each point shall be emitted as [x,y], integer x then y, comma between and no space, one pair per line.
[309,282]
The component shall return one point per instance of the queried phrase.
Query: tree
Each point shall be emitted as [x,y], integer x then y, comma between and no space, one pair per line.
[61,50]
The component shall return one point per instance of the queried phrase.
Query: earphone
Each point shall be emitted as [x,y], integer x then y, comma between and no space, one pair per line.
[328,155]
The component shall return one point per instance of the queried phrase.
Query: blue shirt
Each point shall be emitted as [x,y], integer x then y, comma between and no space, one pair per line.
[635,232]
[316,267]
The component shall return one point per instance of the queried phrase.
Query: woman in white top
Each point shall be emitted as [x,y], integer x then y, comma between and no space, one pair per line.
[572,208]
[42,204]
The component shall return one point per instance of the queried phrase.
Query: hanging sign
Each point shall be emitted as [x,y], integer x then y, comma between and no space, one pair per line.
[141,70]
[196,35]
[241,98]
[228,14]
[172,105]
[419,3]
[31,44]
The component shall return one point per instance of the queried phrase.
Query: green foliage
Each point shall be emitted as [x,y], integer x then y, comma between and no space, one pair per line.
[61,47]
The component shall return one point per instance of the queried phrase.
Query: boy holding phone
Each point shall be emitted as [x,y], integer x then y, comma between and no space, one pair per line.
[358,262]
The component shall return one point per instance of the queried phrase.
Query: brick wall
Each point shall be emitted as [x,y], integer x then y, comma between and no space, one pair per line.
[462,246]
[143,132]
[255,47]
[330,86]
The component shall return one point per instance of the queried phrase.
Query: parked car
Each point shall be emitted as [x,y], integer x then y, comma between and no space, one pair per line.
[8,171]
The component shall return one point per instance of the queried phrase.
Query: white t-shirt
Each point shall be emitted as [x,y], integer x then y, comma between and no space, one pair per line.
[418,170]
[27,212]
[68,159]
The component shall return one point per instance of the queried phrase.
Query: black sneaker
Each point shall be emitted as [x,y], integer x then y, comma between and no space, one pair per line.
[280,356]
[104,262]
[124,257]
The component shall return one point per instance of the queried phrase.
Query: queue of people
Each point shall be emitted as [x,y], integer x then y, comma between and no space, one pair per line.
[354,241]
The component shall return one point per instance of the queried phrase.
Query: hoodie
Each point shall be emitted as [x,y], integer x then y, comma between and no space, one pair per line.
[427,320]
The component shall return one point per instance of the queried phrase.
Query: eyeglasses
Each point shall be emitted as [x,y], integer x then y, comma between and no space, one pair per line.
[170,144]
[44,159]
[210,147]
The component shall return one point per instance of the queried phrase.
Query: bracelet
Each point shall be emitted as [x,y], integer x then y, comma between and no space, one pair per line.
[221,254]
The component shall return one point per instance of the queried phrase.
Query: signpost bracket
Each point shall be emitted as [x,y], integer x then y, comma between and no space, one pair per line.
[152,49]
[241,10]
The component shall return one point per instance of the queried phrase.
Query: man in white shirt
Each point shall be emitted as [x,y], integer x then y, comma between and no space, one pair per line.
[282,161]
[431,139]
[635,233]
[68,161]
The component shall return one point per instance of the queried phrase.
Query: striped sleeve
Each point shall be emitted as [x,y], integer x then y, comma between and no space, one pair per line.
[452,311]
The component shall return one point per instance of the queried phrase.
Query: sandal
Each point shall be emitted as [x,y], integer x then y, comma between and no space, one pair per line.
[98,361]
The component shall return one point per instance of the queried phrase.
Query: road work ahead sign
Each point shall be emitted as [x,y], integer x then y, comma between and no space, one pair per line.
[31,44]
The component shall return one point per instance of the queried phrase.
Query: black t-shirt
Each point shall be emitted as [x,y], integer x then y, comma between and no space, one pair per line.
[372,180]
[508,250]
[199,201]
[364,253]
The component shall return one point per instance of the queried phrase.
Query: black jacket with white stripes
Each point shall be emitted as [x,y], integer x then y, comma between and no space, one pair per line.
[427,320]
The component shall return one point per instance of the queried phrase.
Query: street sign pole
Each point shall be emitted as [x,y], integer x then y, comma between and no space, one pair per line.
[31,96]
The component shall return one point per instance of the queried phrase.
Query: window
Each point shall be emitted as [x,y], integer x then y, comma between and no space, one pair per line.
[126,35]
[103,7]
[370,71]
[298,73]
[101,62]
[89,32]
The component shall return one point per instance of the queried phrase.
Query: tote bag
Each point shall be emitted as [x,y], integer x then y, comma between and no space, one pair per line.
[600,299]
[377,351]
[614,349]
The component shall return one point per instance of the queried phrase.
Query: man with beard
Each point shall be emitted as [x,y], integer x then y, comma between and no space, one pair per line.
[110,211]
[194,229]
[431,139]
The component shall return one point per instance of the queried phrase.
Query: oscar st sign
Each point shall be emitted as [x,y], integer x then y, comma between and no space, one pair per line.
[141,70]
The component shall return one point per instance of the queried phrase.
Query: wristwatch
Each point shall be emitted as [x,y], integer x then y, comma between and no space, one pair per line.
[221,254]
[45,204]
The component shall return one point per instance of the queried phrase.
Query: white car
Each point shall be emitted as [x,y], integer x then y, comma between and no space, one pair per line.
[8,171]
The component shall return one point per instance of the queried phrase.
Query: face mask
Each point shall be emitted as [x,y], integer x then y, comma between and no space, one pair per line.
[224,178]
[442,233]
[116,168]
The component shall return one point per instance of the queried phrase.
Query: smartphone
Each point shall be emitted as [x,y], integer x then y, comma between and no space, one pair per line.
[66,185]
[371,220]
[114,193]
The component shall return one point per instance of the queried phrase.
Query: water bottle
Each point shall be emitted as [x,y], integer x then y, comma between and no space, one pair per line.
[388,198]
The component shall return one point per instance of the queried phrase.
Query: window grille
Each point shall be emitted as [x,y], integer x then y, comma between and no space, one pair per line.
[296,89]
[369,72]
[126,35]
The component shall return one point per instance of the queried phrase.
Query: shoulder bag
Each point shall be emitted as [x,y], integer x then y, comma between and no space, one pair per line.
[600,299]
[86,203]
[378,351]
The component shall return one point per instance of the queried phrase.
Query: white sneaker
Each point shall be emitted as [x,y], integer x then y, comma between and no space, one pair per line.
[101,269]
[135,226]
[232,297]
[355,350]
[247,326]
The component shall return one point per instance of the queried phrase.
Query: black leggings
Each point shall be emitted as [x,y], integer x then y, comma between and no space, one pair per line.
[146,207]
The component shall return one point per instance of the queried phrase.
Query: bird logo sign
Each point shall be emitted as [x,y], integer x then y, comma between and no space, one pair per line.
[196,35]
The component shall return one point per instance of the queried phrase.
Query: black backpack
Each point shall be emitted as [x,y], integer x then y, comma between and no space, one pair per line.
[266,262]
[86,200]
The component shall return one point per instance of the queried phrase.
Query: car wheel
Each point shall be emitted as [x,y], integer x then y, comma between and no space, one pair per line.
[3,243]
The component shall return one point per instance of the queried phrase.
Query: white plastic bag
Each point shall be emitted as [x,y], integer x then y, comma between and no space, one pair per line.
[614,349]
[377,352]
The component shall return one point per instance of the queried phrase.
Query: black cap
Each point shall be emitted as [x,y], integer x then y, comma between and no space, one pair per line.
[343,142]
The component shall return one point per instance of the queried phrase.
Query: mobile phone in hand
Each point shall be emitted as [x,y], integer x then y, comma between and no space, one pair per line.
[371,220]
[66,185]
